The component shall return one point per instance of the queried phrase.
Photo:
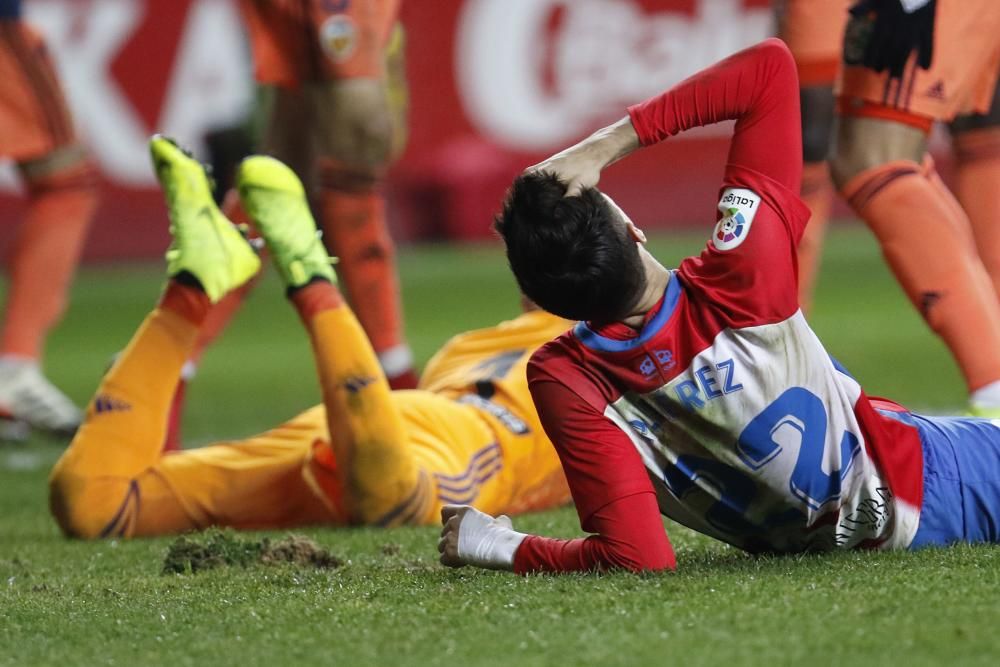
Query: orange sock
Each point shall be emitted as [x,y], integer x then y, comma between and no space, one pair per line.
[352,216]
[978,188]
[926,240]
[817,193]
[45,256]
[122,433]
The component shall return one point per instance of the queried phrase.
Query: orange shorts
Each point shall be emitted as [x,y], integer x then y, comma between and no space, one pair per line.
[295,41]
[962,76]
[814,32]
[34,119]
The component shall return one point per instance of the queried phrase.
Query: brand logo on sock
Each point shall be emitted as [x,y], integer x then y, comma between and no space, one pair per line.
[936,91]
[927,301]
[356,384]
[104,403]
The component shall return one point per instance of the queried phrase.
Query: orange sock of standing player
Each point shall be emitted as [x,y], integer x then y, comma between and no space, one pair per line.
[122,434]
[367,433]
[352,216]
[977,185]
[925,238]
[45,257]
[817,193]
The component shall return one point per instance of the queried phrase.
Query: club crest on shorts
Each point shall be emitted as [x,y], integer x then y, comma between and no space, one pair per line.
[339,37]
[738,207]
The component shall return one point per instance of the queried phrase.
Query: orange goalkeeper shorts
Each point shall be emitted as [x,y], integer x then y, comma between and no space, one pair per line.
[962,76]
[814,32]
[34,118]
[295,41]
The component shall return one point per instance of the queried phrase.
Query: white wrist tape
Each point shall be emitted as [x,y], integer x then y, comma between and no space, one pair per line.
[487,542]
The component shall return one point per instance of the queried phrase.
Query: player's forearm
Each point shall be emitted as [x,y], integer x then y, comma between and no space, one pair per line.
[607,145]
[630,536]
[543,554]
[739,86]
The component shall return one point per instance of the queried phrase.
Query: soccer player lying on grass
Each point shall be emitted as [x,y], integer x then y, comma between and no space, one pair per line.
[701,392]
[366,456]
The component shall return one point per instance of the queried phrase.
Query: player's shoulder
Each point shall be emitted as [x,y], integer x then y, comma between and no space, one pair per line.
[555,359]
[749,191]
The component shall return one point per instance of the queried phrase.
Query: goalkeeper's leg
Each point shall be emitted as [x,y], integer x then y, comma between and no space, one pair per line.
[367,434]
[94,491]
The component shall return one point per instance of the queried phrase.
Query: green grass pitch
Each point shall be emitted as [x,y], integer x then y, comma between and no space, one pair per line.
[72,603]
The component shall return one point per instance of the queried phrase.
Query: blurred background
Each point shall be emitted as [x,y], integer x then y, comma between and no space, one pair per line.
[494,85]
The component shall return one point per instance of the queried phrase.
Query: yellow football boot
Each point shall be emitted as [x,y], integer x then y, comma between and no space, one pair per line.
[205,243]
[275,200]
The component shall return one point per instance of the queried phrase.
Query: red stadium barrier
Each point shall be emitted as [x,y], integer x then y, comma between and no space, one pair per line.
[495,86]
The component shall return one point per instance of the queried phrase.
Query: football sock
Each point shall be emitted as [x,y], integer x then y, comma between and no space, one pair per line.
[366,428]
[352,216]
[122,434]
[45,255]
[817,193]
[926,241]
[986,397]
[977,186]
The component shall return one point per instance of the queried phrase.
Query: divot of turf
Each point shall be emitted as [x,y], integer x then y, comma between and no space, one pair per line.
[217,548]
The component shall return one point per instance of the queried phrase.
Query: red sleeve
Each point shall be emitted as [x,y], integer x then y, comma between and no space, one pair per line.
[759,89]
[629,536]
[749,270]
[613,495]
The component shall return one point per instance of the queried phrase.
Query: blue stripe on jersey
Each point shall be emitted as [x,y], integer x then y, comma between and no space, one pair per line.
[597,342]
[10,9]
[839,366]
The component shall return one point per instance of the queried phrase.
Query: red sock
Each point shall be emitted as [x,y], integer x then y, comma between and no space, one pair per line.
[45,256]
[817,193]
[188,301]
[314,298]
[978,188]
[927,242]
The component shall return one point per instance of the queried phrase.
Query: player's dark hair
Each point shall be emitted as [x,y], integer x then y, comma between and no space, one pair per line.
[570,255]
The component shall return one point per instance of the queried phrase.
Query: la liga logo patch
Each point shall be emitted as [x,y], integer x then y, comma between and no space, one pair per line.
[738,207]
[731,226]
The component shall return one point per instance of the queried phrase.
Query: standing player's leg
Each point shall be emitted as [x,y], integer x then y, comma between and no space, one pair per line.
[975,141]
[814,34]
[37,131]
[353,112]
[103,484]
[926,240]
[330,95]
[879,165]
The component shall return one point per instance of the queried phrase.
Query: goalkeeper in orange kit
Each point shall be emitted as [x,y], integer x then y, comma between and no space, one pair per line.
[367,455]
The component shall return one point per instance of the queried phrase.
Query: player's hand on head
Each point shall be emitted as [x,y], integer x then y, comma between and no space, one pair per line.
[573,167]
[471,537]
